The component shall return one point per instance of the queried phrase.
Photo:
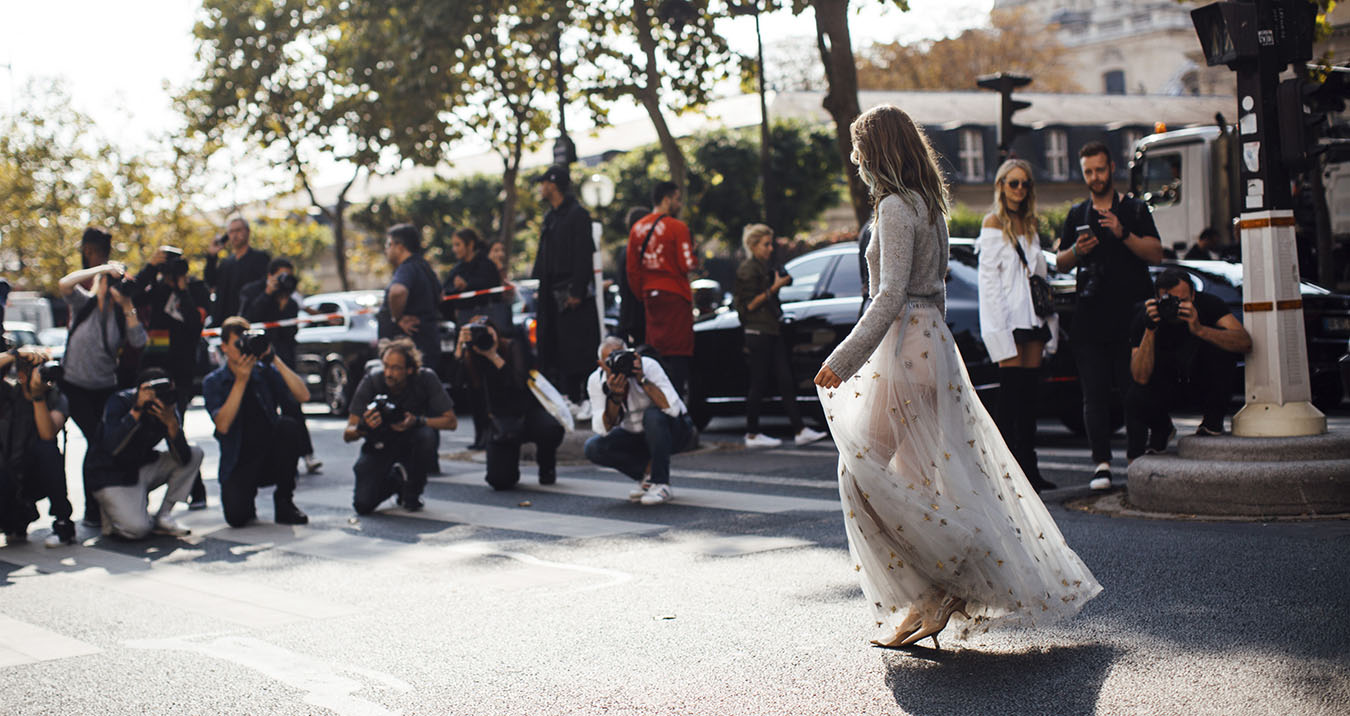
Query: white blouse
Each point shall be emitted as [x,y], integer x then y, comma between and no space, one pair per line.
[1005,296]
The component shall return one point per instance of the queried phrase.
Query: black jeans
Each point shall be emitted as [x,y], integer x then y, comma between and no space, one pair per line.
[503,456]
[41,475]
[86,409]
[1102,367]
[629,453]
[767,354]
[1205,382]
[267,456]
[677,370]
[375,480]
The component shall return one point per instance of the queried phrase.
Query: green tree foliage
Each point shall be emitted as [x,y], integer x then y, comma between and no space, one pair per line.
[724,182]
[663,54]
[268,76]
[439,207]
[58,175]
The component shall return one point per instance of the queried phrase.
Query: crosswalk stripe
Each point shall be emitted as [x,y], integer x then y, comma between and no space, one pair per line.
[688,496]
[24,643]
[231,598]
[516,519]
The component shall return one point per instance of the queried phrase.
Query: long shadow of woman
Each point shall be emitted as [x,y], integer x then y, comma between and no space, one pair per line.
[1060,680]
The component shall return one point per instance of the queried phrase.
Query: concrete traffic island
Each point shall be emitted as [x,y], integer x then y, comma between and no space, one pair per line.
[1250,477]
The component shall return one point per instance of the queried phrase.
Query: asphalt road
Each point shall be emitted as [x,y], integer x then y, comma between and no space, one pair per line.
[738,598]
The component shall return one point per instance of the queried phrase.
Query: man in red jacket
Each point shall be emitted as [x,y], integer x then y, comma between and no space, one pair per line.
[660,257]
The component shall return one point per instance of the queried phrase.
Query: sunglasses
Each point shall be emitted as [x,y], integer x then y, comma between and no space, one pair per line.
[1018,183]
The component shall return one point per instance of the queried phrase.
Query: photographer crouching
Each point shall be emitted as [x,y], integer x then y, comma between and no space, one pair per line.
[643,421]
[259,446]
[1186,345]
[397,410]
[499,371]
[124,467]
[32,413]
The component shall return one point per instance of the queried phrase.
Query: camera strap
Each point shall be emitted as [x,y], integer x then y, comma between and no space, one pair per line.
[642,254]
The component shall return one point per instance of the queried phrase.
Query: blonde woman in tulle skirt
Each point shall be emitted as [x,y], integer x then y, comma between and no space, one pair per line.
[940,519]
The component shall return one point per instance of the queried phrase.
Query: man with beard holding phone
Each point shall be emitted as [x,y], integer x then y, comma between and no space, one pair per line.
[1111,240]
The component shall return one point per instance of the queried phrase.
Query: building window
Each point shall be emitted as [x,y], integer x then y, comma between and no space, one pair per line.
[1057,154]
[1113,82]
[972,155]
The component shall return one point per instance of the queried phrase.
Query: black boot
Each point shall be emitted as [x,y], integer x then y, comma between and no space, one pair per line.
[1028,388]
[286,511]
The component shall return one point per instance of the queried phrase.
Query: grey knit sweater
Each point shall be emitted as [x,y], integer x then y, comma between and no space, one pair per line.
[907,260]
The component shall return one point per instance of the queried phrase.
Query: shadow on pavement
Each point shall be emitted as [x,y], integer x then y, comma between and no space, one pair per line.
[1055,680]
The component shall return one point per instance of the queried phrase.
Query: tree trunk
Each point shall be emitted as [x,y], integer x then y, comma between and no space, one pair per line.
[841,99]
[650,97]
[340,240]
[511,170]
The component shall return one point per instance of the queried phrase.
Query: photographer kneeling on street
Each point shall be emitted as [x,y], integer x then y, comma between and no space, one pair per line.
[398,410]
[499,371]
[259,445]
[32,413]
[1185,347]
[124,466]
[642,424]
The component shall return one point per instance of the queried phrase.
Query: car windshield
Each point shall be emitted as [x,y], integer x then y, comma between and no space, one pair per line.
[805,272]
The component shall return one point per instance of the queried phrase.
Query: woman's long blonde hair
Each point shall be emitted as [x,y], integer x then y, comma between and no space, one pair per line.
[894,157]
[1025,213]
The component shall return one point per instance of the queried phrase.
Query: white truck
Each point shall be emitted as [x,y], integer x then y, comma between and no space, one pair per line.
[1190,178]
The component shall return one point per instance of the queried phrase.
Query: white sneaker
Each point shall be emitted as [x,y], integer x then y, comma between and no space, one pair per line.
[640,491]
[55,540]
[583,411]
[807,436]
[760,440]
[657,495]
[167,526]
[1101,477]
[312,464]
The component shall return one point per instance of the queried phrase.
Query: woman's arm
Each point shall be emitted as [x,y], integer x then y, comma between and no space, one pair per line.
[995,324]
[896,227]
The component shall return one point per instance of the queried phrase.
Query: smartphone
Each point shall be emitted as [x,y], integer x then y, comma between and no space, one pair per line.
[1084,229]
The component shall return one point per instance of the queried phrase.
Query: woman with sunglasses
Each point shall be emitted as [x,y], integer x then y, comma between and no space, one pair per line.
[1013,334]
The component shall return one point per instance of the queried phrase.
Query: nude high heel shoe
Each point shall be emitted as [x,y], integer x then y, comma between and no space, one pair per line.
[949,606]
[911,624]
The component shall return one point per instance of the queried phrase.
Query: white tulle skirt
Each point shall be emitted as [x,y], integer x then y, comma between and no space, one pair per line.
[933,498]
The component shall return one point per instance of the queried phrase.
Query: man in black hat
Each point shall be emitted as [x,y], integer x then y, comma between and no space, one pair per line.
[568,327]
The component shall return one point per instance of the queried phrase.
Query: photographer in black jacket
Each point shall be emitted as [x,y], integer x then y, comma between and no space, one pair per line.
[499,372]
[124,466]
[176,306]
[1185,347]
[397,409]
[274,298]
[32,413]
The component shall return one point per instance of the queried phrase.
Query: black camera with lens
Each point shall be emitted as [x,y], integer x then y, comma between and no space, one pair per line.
[1169,308]
[125,285]
[389,411]
[287,282]
[49,372]
[254,344]
[165,391]
[480,336]
[174,266]
[622,362]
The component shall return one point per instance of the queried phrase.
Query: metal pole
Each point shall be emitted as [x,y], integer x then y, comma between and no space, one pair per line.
[765,188]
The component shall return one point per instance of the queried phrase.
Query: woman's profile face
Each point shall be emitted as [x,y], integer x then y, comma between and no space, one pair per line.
[498,255]
[762,248]
[459,247]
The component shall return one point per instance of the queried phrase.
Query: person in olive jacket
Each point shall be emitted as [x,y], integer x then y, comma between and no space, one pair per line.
[756,301]
[568,327]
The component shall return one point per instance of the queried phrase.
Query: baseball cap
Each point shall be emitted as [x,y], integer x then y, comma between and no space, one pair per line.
[556,174]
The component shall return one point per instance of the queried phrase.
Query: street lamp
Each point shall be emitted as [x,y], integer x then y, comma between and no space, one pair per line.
[597,191]
[752,8]
[564,151]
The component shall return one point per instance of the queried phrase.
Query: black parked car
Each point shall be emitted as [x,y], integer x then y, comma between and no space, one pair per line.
[327,354]
[821,306]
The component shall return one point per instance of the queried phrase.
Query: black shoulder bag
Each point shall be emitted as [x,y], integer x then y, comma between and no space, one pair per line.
[1042,298]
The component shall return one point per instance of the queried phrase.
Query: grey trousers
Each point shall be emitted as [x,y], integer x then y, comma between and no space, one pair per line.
[125,507]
